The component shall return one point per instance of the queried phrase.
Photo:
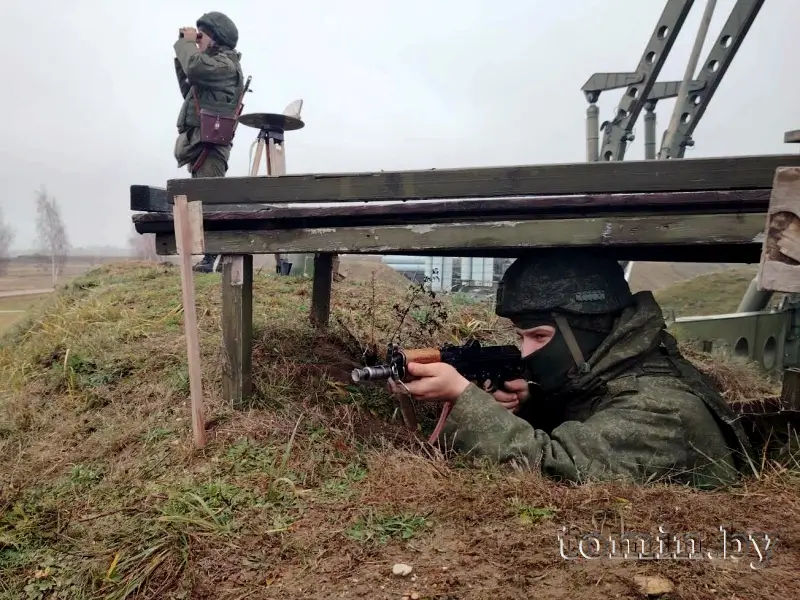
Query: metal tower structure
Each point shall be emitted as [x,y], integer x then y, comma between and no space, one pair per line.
[642,91]
[693,94]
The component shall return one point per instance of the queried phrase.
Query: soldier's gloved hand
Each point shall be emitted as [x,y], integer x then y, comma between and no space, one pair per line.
[435,382]
[516,392]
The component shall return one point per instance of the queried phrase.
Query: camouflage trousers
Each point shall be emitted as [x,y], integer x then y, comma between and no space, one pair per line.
[214,165]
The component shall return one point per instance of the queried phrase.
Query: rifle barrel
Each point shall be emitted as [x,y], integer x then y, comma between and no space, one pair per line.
[370,373]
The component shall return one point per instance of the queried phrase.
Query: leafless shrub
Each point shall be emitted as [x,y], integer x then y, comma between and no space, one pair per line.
[52,233]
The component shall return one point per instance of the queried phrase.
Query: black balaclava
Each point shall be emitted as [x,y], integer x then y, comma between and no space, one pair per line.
[549,367]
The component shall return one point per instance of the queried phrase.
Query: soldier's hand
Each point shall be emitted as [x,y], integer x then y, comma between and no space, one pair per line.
[435,382]
[515,393]
[189,34]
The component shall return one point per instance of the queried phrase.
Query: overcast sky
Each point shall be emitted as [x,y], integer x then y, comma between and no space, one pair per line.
[89,98]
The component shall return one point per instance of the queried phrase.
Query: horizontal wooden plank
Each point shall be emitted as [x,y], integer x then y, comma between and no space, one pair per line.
[792,137]
[742,172]
[433,211]
[502,238]
[151,199]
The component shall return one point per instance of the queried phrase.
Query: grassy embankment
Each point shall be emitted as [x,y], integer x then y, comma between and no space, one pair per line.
[312,491]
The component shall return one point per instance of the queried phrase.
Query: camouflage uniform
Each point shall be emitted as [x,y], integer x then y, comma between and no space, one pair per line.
[634,410]
[218,79]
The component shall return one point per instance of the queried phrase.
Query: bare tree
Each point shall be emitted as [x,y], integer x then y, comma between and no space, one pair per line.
[52,233]
[143,246]
[6,237]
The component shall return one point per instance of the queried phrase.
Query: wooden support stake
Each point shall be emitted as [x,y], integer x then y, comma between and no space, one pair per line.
[321,290]
[790,390]
[237,328]
[779,270]
[190,241]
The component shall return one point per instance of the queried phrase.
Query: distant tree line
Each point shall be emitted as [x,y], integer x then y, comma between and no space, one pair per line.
[51,232]
[53,245]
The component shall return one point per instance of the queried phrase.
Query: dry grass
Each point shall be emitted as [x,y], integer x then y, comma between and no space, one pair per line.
[313,491]
[14,308]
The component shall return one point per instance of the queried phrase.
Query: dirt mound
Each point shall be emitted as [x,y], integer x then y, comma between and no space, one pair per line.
[364,271]
[655,276]
[314,490]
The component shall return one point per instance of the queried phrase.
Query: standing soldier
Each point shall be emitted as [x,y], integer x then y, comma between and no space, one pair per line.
[211,82]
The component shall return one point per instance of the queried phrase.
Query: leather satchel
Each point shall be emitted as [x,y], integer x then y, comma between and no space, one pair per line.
[216,129]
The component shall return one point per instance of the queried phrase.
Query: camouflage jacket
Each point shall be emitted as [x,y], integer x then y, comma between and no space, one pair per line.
[217,77]
[642,413]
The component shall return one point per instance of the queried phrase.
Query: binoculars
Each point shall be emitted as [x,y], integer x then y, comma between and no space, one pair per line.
[199,35]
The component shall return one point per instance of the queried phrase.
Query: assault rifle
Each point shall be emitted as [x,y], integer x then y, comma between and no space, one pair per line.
[476,363]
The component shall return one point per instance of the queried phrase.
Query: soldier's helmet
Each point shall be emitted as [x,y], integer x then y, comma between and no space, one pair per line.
[220,27]
[564,281]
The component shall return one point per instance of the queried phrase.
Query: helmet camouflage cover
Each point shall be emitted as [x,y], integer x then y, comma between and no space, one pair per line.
[220,27]
[572,282]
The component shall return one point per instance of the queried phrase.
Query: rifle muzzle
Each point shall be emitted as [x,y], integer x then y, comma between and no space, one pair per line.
[370,373]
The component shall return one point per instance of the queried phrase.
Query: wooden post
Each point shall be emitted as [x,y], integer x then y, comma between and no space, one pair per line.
[321,290]
[790,391]
[237,328]
[779,270]
[188,218]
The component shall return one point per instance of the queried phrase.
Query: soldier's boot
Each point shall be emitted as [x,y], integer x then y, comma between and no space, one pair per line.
[206,265]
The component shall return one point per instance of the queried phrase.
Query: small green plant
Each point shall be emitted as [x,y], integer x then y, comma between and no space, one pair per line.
[531,515]
[379,529]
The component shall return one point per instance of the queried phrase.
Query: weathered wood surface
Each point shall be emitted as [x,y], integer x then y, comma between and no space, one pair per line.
[779,269]
[149,199]
[504,238]
[443,211]
[194,225]
[182,231]
[742,172]
[792,137]
[237,328]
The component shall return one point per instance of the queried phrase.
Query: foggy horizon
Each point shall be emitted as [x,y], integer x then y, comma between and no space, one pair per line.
[386,86]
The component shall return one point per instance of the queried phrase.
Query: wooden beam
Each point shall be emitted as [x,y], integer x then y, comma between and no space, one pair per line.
[149,199]
[475,238]
[743,172]
[779,270]
[237,328]
[183,232]
[792,137]
[321,290]
[431,211]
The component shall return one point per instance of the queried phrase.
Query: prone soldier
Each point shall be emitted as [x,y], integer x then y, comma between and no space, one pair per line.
[607,394]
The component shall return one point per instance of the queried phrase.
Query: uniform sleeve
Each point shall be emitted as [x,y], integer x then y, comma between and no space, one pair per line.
[201,68]
[181,75]
[630,439]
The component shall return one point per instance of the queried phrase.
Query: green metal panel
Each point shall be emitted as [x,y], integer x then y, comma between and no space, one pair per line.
[768,337]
